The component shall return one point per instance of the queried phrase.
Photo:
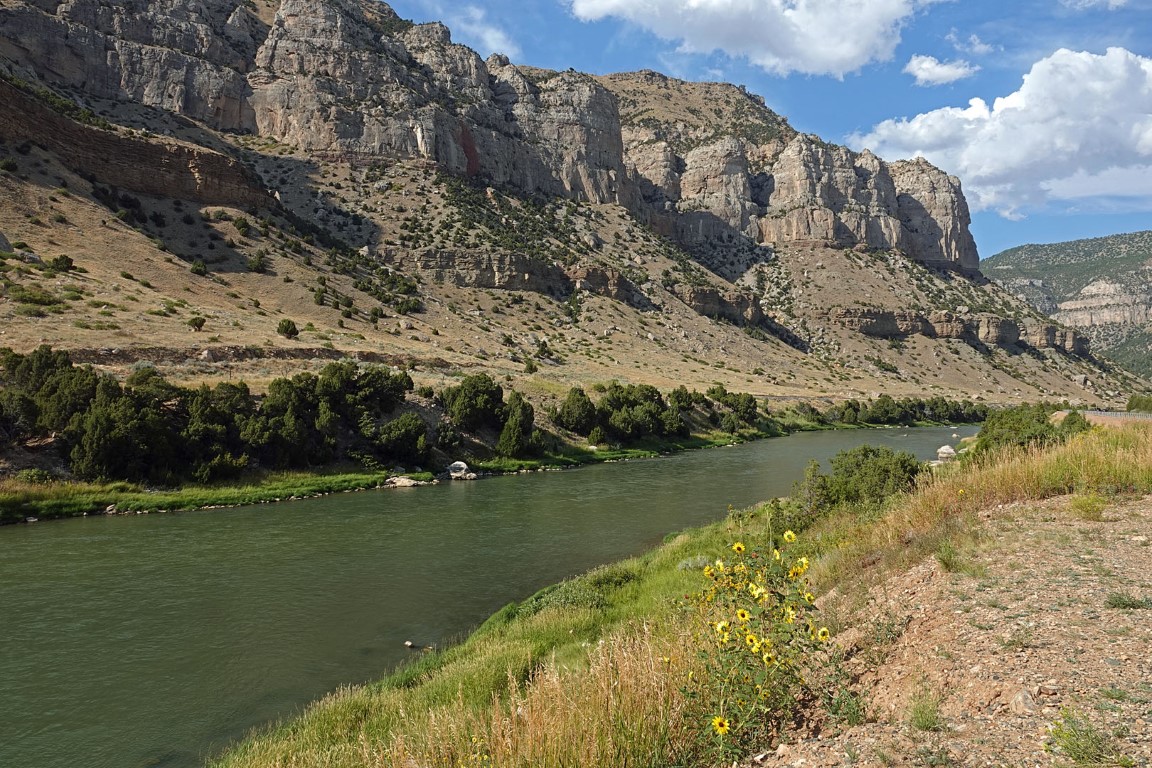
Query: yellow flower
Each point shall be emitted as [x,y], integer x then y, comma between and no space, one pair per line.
[755,590]
[961,491]
[709,571]
[768,659]
[738,547]
[743,615]
[721,627]
[721,725]
[751,639]
[789,536]
[724,638]
[719,565]
[824,635]
[776,555]
[789,614]
[809,598]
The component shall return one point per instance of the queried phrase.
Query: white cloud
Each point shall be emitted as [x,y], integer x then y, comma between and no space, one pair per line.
[473,25]
[973,45]
[470,25]
[1080,121]
[928,70]
[818,37]
[1081,5]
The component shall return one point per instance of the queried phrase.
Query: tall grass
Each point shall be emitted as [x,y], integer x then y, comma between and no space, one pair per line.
[944,505]
[590,673]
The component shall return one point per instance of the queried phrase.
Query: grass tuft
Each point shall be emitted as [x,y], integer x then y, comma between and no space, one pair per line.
[1085,744]
[924,711]
[1125,601]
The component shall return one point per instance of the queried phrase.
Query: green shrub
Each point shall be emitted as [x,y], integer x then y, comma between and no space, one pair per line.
[287,329]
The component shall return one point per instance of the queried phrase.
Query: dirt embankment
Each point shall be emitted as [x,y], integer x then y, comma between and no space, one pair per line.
[1027,629]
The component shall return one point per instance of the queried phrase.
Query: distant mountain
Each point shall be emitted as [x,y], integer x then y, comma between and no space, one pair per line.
[1101,285]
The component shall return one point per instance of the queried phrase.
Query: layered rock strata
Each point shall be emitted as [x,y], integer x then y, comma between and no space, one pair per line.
[976,327]
[151,166]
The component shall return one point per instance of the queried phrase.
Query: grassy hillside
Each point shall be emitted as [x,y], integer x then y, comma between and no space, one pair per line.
[1103,286]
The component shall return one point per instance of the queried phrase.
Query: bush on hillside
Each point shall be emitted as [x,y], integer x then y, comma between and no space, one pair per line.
[1027,425]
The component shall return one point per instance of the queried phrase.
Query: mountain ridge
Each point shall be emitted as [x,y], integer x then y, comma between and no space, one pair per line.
[415,192]
[1101,286]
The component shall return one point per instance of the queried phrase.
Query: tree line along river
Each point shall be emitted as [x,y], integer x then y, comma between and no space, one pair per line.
[157,640]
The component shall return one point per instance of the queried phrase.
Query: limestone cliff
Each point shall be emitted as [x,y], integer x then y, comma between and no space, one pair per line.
[706,163]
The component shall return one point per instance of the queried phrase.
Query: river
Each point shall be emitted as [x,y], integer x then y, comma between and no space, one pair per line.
[156,640]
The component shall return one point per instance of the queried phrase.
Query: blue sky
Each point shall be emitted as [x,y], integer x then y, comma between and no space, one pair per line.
[1043,108]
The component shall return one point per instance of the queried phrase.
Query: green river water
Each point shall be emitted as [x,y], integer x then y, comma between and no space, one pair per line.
[157,640]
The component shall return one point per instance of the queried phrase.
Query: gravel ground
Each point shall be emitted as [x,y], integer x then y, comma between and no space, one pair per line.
[1023,633]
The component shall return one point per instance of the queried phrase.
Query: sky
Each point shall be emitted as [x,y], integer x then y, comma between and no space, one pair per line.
[1042,108]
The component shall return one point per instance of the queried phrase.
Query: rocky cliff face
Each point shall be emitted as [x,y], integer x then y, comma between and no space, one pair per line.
[984,328]
[351,77]
[152,166]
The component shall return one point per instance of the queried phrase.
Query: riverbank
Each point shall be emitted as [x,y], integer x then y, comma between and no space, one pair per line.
[620,645]
[45,499]
[21,500]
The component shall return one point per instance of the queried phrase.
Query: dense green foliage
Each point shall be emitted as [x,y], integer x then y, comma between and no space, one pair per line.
[864,476]
[1028,425]
[906,411]
[1142,403]
[147,430]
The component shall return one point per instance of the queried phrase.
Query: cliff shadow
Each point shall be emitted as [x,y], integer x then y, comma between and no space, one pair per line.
[719,247]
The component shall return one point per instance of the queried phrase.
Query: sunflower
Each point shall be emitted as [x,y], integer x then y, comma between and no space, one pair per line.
[809,598]
[721,725]
[789,536]
[721,627]
[823,635]
[743,616]
[710,572]
[738,547]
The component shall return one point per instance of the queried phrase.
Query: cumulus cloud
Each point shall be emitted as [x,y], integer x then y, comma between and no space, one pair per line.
[1080,125]
[928,70]
[473,25]
[470,25]
[817,37]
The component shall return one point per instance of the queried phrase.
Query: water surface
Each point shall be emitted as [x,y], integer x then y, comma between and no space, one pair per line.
[155,640]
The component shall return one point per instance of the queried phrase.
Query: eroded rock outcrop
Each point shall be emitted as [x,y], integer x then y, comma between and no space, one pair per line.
[981,327]
[734,306]
[152,166]
[505,271]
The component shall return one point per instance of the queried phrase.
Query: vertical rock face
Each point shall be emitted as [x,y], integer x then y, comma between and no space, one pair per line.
[188,58]
[934,214]
[704,162]
[807,190]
